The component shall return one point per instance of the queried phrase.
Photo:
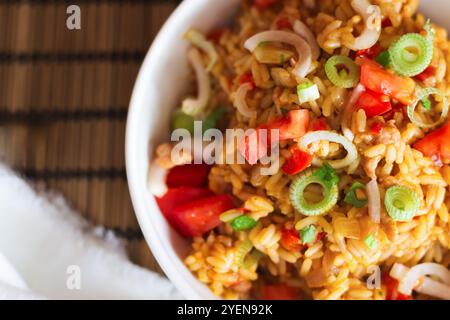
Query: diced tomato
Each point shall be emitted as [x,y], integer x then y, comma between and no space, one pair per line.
[370,53]
[374,104]
[283,23]
[279,292]
[375,78]
[291,126]
[263,4]
[255,145]
[178,196]
[391,285]
[290,239]
[215,35]
[247,78]
[426,74]
[319,124]
[376,128]
[188,175]
[436,144]
[299,161]
[386,23]
[197,217]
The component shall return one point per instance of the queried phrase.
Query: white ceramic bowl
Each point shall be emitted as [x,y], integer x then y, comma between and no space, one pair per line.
[158,90]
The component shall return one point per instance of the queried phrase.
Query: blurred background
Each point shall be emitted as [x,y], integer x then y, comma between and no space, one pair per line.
[64,97]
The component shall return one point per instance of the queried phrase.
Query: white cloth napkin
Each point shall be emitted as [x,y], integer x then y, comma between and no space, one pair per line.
[48,252]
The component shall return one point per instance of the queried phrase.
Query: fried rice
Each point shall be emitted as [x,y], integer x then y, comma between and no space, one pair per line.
[241,264]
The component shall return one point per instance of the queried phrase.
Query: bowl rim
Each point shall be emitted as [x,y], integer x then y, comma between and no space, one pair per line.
[165,260]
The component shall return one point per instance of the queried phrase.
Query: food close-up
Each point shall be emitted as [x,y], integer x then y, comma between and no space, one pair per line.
[357,92]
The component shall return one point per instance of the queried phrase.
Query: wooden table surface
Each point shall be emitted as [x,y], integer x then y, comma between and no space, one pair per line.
[64,97]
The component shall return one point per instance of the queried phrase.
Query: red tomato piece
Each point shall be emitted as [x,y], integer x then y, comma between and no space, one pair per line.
[375,78]
[370,53]
[178,196]
[290,239]
[197,217]
[292,126]
[426,74]
[436,144]
[255,145]
[188,175]
[299,161]
[283,23]
[279,292]
[321,235]
[391,285]
[374,104]
[263,4]
[319,124]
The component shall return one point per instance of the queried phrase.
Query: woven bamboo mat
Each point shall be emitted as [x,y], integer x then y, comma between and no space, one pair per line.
[64,97]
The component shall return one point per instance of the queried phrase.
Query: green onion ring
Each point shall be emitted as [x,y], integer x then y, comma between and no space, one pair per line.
[299,185]
[423,93]
[351,197]
[347,79]
[406,63]
[401,203]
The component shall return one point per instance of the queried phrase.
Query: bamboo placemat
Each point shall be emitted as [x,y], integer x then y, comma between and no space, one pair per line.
[64,97]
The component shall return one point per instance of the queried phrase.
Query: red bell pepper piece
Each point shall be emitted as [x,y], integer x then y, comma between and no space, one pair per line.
[247,78]
[299,161]
[426,74]
[283,23]
[263,4]
[436,144]
[178,196]
[197,217]
[376,128]
[292,126]
[290,239]
[375,78]
[215,35]
[391,285]
[370,53]
[279,292]
[374,104]
[188,175]
[319,124]
[386,23]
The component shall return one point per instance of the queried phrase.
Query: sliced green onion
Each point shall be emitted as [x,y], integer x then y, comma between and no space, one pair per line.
[411,63]
[426,103]
[242,249]
[401,203]
[181,120]
[424,93]
[325,177]
[352,198]
[213,118]
[308,234]
[339,78]
[327,173]
[430,31]
[243,223]
[307,91]
[384,58]
[371,242]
